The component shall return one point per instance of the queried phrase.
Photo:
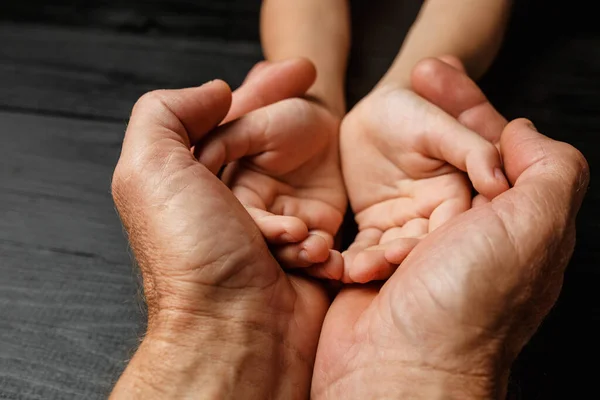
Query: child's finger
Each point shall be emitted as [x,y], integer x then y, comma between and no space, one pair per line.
[451,89]
[398,250]
[364,239]
[255,70]
[369,265]
[448,210]
[312,250]
[290,127]
[332,269]
[415,228]
[278,229]
[479,200]
[446,139]
[268,83]
[315,213]
[381,261]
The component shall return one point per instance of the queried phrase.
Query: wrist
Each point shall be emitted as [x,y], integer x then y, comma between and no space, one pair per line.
[398,76]
[203,357]
[397,380]
[331,97]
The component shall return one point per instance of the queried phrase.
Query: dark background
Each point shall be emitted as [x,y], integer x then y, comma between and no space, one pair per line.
[71,70]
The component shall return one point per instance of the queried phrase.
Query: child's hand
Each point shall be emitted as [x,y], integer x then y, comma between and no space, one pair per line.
[282,163]
[403,160]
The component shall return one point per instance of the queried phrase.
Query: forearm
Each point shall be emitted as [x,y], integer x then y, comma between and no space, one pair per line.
[315,29]
[471,30]
[211,360]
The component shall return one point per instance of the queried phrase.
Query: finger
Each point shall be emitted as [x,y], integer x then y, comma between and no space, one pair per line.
[454,62]
[415,228]
[446,139]
[278,229]
[271,83]
[364,239]
[315,213]
[184,116]
[448,210]
[312,250]
[538,163]
[479,200]
[381,261]
[329,239]
[259,132]
[386,215]
[369,265]
[332,269]
[398,250]
[454,92]
[254,71]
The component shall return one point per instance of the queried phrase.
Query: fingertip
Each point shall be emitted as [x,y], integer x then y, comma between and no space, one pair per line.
[295,230]
[219,86]
[522,128]
[501,180]
[396,252]
[332,268]
[314,249]
[219,93]
[278,229]
[425,70]
[370,265]
[211,156]
[484,167]
[493,185]
[306,66]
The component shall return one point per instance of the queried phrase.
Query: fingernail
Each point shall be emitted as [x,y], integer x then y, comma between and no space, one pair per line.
[303,256]
[499,175]
[532,126]
[286,237]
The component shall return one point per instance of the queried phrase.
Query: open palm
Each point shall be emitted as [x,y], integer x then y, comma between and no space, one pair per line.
[404,162]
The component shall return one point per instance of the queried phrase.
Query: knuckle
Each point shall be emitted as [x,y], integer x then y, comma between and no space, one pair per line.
[149,101]
[575,159]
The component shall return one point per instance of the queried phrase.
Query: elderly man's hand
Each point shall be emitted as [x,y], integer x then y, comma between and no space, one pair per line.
[224,319]
[453,317]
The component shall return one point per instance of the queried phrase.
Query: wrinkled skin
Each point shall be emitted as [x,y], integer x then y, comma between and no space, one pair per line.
[470,294]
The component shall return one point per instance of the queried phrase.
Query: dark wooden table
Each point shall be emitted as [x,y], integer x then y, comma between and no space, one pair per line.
[70,314]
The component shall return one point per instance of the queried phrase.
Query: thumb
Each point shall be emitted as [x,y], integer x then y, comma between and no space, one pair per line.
[545,166]
[451,89]
[184,116]
[270,82]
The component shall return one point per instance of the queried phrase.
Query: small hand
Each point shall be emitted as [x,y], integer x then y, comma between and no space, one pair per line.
[404,162]
[223,316]
[450,322]
[282,164]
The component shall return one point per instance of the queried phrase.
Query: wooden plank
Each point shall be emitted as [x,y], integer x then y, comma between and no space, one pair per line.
[100,75]
[224,19]
[69,311]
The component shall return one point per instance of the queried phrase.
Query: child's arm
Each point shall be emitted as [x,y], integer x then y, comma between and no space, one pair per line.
[316,29]
[471,30]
